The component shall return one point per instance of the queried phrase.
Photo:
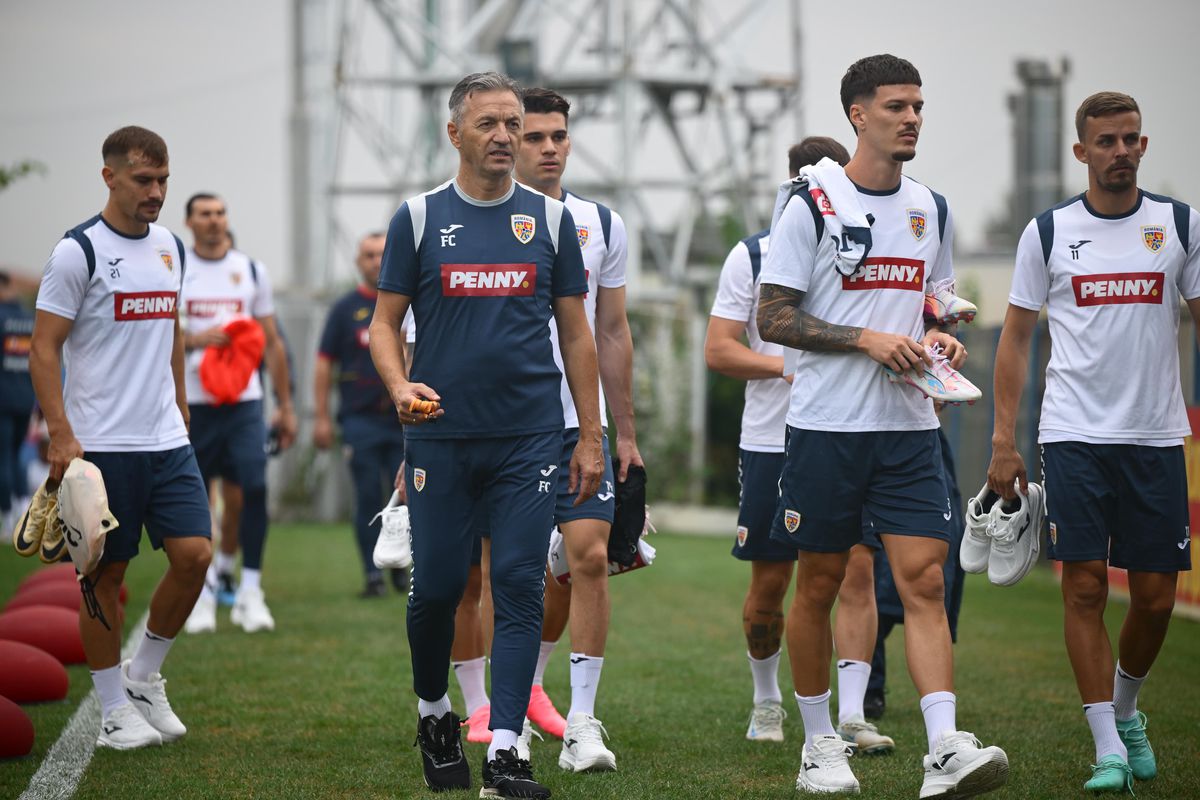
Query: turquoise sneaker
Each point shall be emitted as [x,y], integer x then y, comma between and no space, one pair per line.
[1112,774]
[1141,755]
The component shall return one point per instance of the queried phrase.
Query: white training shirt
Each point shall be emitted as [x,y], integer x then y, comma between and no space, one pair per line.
[216,293]
[765,412]
[1112,286]
[911,247]
[119,390]
[602,239]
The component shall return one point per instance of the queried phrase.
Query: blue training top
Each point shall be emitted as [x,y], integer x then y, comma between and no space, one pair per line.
[482,275]
[345,342]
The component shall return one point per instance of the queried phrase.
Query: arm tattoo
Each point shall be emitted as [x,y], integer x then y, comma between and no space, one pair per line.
[781,320]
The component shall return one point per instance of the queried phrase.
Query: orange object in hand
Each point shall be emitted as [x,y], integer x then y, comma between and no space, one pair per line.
[418,406]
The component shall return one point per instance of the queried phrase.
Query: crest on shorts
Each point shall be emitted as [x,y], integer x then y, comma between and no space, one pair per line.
[418,479]
[584,233]
[523,227]
[168,262]
[916,223]
[1053,533]
[742,533]
[1154,237]
[791,520]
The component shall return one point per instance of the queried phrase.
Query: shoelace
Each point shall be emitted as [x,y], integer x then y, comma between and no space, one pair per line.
[1137,735]
[592,732]
[1125,768]
[512,767]
[830,752]
[768,714]
[442,746]
[854,726]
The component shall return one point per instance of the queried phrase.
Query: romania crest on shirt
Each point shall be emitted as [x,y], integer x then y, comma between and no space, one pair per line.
[916,223]
[1154,236]
[523,227]
[584,233]
[166,259]
[791,520]
[418,479]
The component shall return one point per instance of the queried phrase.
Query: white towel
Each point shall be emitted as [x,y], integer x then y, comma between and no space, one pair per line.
[837,199]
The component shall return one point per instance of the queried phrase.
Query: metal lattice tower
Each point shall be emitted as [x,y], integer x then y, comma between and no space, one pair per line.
[681,113]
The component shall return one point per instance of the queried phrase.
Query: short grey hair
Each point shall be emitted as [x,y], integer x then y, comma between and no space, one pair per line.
[479,82]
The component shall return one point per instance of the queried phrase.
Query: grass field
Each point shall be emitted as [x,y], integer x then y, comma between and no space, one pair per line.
[323,708]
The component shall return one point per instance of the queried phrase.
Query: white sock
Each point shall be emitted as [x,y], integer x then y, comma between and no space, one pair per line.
[471,676]
[585,678]
[765,672]
[1103,721]
[251,579]
[544,651]
[148,659]
[852,688]
[434,708]
[223,563]
[814,711]
[501,740]
[1125,692]
[938,709]
[109,688]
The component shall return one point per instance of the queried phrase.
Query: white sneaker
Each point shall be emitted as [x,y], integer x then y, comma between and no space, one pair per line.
[149,698]
[203,618]
[961,767]
[825,767]
[977,537]
[583,745]
[393,548]
[939,381]
[525,739]
[1016,536]
[250,611]
[126,729]
[766,722]
[865,737]
[943,306]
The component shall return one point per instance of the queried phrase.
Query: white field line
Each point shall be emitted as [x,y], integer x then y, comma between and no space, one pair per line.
[61,770]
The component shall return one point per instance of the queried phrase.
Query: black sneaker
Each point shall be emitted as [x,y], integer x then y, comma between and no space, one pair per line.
[442,757]
[375,588]
[874,704]
[400,579]
[506,775]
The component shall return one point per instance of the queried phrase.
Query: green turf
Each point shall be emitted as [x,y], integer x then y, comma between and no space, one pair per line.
[323,708]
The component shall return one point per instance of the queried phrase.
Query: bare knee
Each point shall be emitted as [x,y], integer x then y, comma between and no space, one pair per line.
[925,586]
[1160,604]
[189,558]
[858,586]
[818,580]
[769,584]
[1084,591]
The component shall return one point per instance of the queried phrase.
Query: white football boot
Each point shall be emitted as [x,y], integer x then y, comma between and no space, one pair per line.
[961,767]
[125,729]
[203,618]
[977,537]
[943,306]
[825,767]
[393,548]
[1016,536]
[149,698]
[250,611]
[766,722]
[583,746]
[866,737]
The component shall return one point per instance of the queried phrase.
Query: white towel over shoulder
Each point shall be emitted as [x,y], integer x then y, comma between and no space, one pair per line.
[837,199]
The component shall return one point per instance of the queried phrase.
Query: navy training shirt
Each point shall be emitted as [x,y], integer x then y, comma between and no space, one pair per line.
[482,275]
[345,342]
[16,333]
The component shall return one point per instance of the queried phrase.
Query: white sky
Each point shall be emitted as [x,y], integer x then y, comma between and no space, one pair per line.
[213,79]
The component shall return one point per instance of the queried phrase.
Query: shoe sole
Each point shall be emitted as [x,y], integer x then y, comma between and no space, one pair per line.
[601,764]
[770,737]
[486,793]
[982,778]
[111,745]
[878,750]
[804,786]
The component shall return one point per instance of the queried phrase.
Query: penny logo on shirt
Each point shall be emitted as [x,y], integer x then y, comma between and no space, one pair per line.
[1118,288]
[887,272]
